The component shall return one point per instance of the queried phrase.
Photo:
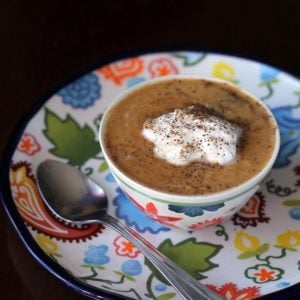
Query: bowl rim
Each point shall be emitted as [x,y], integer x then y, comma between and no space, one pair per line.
[173,198]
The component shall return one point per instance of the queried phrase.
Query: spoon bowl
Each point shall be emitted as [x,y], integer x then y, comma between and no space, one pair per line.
[74,197]
[70,194]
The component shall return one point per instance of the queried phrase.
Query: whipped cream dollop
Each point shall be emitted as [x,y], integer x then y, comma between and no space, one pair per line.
[193,134]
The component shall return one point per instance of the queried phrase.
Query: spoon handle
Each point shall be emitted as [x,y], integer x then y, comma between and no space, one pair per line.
[187,286]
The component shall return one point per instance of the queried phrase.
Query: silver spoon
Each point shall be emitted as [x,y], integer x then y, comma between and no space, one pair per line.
[74,197]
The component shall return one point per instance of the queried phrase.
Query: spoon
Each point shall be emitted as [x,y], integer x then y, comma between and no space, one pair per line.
[74,197]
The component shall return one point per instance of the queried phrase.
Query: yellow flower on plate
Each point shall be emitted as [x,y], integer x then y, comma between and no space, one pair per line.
[289,239]
[47,244]
[224,71]
[246,242]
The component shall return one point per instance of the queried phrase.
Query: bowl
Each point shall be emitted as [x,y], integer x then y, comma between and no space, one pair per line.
[186,212]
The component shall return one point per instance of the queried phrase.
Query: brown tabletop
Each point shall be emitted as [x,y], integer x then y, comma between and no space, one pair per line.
[43,43]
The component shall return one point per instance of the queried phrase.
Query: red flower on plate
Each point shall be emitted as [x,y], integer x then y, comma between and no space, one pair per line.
[230,291]
[264,273]
[207,223]
[125,248]
[28,144]
[121,70]
[161,67]
[152,212]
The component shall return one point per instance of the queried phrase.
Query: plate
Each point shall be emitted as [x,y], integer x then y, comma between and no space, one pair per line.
[253,254]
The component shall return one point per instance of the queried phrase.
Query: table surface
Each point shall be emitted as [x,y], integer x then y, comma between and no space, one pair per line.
[45,42]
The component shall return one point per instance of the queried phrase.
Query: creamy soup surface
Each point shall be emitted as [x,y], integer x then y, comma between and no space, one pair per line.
[134,154]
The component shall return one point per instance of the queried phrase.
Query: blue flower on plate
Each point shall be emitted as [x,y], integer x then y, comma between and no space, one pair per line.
[132,267]
[289,127]
[268,73]
[193,211]
[81,93]
[128,212]
[95,255]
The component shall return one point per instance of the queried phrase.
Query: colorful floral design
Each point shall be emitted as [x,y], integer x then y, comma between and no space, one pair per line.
[264,253]
[161,67]
[268,76]
[231,291]
[34,212]
[206,223]
[81,93]
[251,247]
[127,211]
[120,71]
[264,273]
[29,144]
[125,248]
[252,212]
[224,71]
[194,211]
[289,239]
[96,255]
[289,127]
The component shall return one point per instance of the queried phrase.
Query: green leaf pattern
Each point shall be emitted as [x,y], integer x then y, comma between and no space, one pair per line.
[75,143]
[195,263]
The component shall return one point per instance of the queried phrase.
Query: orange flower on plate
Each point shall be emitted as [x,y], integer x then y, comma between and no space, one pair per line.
[264,273]
[29,144]
[231,291]
[125,248]
[119,71]
[161,67]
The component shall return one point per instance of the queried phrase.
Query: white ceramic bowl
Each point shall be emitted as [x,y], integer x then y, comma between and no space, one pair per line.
[186,211]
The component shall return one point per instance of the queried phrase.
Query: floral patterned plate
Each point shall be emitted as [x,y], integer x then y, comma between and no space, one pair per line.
[253,254]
